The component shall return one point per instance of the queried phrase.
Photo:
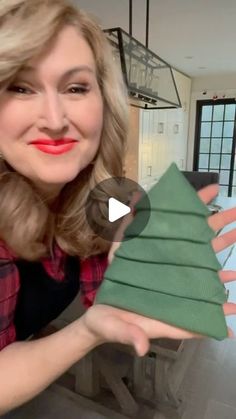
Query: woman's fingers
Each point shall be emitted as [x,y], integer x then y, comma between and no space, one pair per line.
[230,333]
[221,242]
[112,250]
[130,334]
[208,193]
[221,219]
[227,276]
[229,309]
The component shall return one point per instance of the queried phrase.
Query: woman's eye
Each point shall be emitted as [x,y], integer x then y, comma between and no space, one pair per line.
[22,90]
[19,89]
[78,89]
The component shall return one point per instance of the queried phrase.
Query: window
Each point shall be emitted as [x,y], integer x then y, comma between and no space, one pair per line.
[215,141]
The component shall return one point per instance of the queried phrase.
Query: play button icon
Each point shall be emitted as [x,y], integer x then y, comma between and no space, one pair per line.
[110,201]
[116,210]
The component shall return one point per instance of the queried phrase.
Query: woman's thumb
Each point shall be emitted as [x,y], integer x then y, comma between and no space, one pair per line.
[136,337]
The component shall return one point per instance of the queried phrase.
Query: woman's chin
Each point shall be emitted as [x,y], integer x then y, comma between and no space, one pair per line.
[50,180]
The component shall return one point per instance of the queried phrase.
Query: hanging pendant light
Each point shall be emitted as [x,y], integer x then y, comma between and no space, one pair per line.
[149,79]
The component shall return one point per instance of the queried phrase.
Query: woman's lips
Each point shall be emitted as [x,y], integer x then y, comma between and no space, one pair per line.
[54,146]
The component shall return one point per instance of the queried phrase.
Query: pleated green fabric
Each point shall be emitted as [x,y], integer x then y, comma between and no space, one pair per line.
[176,195]
[173,252]
[174,227]
[204,286]
[170,271]
[188,314]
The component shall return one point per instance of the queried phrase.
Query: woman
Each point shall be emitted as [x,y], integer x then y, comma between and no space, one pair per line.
[63,125]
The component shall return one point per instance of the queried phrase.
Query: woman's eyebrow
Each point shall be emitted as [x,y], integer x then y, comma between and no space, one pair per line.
[67,74]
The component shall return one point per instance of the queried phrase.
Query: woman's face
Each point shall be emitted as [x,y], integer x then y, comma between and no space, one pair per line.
[55,97]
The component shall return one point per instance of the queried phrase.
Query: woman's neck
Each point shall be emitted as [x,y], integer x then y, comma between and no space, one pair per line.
[49,193]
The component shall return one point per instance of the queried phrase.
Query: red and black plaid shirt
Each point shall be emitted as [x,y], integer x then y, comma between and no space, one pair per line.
[91,275]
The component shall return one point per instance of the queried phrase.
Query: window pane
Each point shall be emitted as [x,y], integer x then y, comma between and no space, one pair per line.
[203,161]
[234,178]
[205,129]
[230,112]
[234,192]
[215,145]
[228,129]
[217,129]
[218,113]
[224,177]
[224,190]
[227,145]
[207,113]
[225,161]
[215,161]
[204,145]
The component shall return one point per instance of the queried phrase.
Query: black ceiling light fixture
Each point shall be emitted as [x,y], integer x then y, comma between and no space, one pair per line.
[149,79]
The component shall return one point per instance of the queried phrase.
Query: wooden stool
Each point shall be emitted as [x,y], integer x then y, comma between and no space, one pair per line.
[106,362]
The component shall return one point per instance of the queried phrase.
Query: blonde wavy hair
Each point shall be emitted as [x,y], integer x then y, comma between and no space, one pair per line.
[27,225]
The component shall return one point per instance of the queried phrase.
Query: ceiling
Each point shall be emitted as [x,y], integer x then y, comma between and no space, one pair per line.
[198,37]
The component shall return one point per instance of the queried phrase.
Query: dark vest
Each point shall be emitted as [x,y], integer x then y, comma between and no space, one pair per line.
[41,299]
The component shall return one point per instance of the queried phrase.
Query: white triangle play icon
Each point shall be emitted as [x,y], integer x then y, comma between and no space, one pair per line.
[116,209]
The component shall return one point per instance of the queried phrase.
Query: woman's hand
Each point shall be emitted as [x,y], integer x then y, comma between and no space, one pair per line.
[110,324]
[219,243]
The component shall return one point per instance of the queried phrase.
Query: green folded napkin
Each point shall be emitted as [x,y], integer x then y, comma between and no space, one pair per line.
[174,227]
[170,271]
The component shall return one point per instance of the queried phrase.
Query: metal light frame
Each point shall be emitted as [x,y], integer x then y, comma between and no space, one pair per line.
[154,85]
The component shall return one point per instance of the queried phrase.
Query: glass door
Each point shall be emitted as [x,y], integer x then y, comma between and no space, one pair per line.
[215,141]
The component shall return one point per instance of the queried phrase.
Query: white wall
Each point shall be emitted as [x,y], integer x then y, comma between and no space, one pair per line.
[222,82]
[220,86]
[112,13]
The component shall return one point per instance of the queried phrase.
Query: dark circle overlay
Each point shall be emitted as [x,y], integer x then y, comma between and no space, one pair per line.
[124,190]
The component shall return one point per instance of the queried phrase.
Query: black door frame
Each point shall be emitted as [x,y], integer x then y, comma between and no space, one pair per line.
[199,105]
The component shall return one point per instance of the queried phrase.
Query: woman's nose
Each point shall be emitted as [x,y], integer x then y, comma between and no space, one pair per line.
[52,115]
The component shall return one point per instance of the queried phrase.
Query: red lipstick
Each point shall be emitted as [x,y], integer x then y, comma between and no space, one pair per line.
[49,146]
